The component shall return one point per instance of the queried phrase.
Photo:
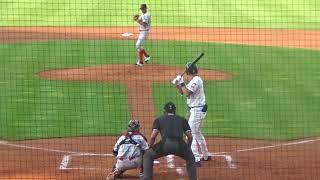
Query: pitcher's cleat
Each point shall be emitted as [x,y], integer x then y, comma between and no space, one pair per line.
[139,64]
[147,59]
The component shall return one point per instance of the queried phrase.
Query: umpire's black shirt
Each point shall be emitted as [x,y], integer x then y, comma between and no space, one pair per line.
[171,126]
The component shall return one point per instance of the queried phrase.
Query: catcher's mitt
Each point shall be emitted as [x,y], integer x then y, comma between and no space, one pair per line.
[136,17]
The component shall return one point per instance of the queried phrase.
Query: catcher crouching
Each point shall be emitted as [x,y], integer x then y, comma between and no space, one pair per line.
[129,150]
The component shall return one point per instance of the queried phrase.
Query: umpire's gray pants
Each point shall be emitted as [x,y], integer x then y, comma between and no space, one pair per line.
[178,148]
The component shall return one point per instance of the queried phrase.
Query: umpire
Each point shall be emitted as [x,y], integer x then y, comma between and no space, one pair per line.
[171,127]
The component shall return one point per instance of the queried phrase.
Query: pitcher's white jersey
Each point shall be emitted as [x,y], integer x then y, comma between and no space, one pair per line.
[146,19]
[197,98]
[129,150]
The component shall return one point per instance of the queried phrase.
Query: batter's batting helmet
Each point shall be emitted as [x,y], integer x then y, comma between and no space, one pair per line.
[143,6]
[191,68]
[170,107]
[133,125]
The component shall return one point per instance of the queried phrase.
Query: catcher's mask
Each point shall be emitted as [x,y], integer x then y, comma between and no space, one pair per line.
[191,69]
[170,107]
[133,125]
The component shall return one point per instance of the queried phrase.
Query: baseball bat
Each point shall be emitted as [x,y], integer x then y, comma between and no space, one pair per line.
[194,62]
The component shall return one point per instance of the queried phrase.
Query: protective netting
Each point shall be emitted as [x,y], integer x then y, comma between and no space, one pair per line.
[73,73]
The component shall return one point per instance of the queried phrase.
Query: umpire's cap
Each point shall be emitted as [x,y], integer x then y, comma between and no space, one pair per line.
[169,107]
[133,125]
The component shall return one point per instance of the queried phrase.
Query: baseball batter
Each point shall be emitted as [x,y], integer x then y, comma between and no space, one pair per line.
[129,150]
[196,102]
[144,21]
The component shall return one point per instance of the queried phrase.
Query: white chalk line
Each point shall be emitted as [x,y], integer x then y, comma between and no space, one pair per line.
[74,153]
[180,171]
[64,163]
[170,161]
[269,146]
[79,168]
[66,158]
[231,164]
[171,165]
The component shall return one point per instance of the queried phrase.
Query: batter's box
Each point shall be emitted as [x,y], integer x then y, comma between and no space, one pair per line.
[220,161]
[97,161]
[223,161]
[85,162]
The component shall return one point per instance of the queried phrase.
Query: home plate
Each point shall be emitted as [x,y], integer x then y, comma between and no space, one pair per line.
[127,34]
[156,162]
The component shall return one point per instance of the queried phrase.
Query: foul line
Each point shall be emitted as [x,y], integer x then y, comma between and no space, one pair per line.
[74,153]
[268,147]
[170,161]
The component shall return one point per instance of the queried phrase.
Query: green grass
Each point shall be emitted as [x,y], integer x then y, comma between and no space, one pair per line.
[34,108]
[274,93]
[205,13]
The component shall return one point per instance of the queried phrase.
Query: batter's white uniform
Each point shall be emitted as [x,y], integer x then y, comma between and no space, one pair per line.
[129,155]
[196,101]
[144,30]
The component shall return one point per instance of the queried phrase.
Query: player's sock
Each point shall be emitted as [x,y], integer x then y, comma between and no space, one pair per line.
[145,53]
[141,56]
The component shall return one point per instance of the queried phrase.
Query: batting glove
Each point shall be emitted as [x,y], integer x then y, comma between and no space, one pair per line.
[178,80]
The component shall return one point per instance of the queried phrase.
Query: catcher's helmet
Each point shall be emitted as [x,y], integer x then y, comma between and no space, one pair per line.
[170,107]
[191,68]
[133,125]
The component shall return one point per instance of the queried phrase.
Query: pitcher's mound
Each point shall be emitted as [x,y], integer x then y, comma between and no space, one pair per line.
[126,73]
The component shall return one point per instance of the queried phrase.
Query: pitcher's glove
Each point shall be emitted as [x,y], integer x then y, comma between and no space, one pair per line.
[136,17]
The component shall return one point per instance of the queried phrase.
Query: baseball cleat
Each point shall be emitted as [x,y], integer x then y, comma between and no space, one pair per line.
[139,64]
[197,163]
[146,59]
[209,158]
[117,174]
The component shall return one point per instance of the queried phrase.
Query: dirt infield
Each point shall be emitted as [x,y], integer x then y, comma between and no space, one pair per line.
[309,39]
[90,157]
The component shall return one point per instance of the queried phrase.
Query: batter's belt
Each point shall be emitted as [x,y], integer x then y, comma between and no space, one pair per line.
[204,107]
